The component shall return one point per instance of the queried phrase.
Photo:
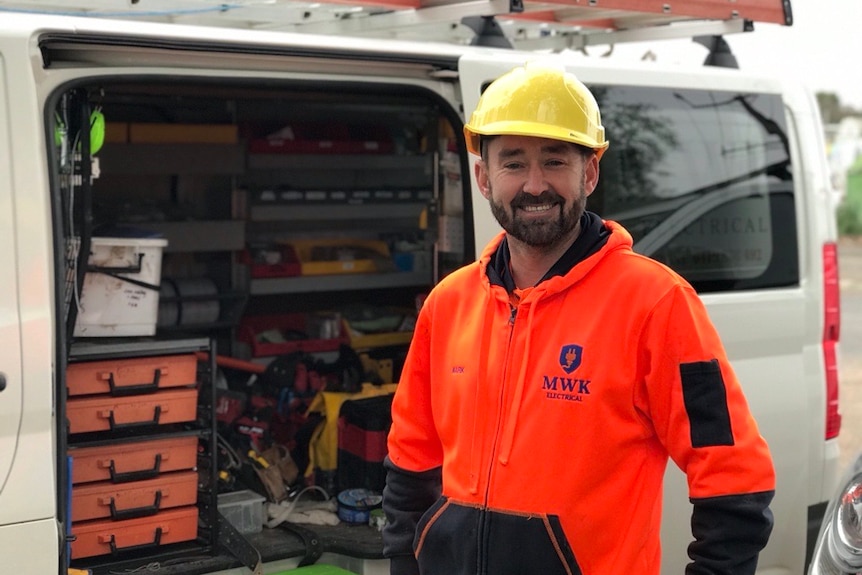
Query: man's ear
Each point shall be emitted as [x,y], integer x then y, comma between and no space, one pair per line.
[591,173]
[480,169]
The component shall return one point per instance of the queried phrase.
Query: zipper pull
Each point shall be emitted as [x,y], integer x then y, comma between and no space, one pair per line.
[512,315]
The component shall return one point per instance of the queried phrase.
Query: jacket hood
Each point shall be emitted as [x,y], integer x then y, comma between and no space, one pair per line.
[598,238]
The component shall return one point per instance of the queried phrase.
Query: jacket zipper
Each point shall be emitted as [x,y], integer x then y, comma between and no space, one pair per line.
[483,543]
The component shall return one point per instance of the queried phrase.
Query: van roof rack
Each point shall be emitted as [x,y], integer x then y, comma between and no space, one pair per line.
[527,24]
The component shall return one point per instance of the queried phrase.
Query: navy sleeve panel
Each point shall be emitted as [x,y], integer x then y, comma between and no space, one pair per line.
[406,497]
[705,400]
[403,565]
[729,533]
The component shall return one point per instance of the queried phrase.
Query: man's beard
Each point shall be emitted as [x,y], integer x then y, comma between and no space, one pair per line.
[540,234]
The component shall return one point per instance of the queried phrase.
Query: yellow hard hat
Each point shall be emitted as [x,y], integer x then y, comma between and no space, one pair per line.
[538,99]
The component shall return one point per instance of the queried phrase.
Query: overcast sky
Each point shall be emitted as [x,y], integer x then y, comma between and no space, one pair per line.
[823,46]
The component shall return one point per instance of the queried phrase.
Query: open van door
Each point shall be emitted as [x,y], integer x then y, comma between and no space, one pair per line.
[11,385]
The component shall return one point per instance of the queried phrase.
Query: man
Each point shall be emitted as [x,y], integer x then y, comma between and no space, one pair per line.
[548,383]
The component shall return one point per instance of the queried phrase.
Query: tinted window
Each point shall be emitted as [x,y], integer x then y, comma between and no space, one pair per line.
[702,180]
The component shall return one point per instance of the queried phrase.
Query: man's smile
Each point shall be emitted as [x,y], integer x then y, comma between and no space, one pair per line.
[537,208]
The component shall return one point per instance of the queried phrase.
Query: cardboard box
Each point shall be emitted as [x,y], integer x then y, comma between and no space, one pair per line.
[116,133]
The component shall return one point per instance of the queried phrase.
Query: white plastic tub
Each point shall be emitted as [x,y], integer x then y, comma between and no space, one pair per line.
[121,296]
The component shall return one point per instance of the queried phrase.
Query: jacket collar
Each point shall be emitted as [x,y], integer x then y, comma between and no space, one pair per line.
[594,235]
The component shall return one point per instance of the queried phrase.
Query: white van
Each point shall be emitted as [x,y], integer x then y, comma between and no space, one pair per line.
[257,178]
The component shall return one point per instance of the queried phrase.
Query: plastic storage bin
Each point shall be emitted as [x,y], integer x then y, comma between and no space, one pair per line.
[108,413]
[118,501]
[120,295]
[342,256]
[109,537]
[134,460]
[243,509]
[131,375]
[271,335]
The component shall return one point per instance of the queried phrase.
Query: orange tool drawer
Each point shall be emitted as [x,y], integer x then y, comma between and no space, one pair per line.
[107,413]
[107,537]
[131,375]
[134,499]
[133,461]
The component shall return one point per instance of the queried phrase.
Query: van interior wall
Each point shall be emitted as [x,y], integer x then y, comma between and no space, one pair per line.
[186,153]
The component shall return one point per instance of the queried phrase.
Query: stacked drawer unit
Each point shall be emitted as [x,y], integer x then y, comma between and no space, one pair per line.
[134,446]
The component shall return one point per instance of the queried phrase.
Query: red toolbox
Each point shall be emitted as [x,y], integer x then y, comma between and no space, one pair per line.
[135,498]
[279,334]
[324,138]
[107,537]
[363,426]
[107,413]
[129,376]
[271,261]
[134,460]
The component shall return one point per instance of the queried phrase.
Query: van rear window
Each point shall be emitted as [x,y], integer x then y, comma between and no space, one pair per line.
[703,181]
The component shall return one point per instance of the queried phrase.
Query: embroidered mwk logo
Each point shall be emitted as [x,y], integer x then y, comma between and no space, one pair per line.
[570,357]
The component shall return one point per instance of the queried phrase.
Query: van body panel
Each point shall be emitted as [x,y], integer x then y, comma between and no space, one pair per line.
[12,396]
[30,548]
[820,227]
[27,424]
[773,336]
[817,226]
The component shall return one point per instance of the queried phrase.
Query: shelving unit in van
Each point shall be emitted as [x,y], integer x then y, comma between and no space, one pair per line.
[393,201]
[344,217]
[244,168]
[141,450]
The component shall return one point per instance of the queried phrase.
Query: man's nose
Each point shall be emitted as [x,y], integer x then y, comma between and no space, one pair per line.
[535,183]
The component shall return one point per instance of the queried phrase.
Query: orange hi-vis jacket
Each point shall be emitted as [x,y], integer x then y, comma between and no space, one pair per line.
[533,438]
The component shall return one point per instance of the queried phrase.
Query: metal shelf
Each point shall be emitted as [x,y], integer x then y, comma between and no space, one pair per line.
[340,282]
[338,162]
[178,159]
[305,212]
[96,348]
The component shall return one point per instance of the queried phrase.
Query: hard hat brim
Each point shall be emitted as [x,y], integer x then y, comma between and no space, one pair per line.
[533,129]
